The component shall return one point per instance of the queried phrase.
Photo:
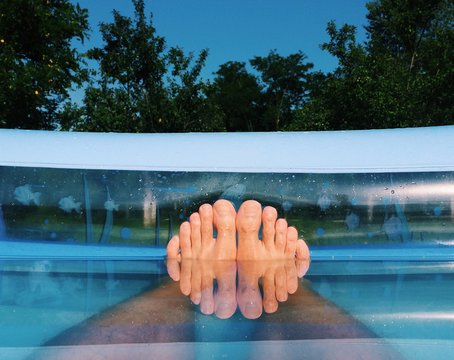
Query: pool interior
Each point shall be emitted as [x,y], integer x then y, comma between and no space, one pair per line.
[378,307]
[77,246]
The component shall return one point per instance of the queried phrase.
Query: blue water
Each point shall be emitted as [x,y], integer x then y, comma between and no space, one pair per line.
[406,310]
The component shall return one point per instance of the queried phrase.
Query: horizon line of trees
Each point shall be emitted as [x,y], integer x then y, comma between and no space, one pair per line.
[401,76]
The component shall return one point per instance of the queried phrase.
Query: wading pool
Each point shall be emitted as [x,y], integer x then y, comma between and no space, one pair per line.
[85,218]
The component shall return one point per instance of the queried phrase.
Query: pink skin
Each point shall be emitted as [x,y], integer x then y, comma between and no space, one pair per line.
[279,279]
[196,281]
[196,259]
[196,235]
[196,241]
[279,241]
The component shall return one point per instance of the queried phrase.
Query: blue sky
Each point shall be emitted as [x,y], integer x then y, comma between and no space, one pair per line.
[239,29]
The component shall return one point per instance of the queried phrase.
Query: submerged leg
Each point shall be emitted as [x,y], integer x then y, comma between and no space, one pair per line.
[161,316]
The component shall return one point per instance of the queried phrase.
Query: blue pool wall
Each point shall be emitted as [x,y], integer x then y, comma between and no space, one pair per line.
[395,168]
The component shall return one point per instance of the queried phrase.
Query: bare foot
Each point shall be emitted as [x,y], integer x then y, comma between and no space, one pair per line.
[197,281]
[279,279]
[196,239]
[280,241]
[196,242]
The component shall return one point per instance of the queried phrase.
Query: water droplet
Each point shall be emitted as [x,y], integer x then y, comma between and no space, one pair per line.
[125,233]
[320,231]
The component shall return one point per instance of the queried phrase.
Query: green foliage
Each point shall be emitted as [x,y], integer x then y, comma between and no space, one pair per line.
[128,92]
[237,94]
[401,77]
[38,63]
[141,87]
[189,108]
[262,102]
[284,80]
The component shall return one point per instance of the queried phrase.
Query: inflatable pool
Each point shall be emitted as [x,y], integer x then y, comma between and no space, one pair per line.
[85,218]
[387,189]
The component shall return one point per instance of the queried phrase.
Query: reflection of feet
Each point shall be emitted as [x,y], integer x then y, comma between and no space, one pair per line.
[279,240]
[196,239]
[280,278]
[280,258]
[196,281]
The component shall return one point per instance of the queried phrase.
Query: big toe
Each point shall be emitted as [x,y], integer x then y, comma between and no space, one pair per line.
[249,217]
[248,221]
[249,296]
[224,220]
[225,296]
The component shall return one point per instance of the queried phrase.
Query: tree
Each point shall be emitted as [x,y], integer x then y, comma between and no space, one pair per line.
[238,95]
[284,81]
[339,100]
[262,102]
[401,76]
[190,109]
[140,86]
[38,63]
[128,92]
[418,36]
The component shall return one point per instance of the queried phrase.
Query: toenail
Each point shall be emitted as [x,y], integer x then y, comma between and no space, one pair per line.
[224,214]
[252,211]
[269,212]
[223,306]
[281,224]
[205,208]
[250,305]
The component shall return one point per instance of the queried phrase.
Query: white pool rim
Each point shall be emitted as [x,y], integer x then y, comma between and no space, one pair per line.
[362,151]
